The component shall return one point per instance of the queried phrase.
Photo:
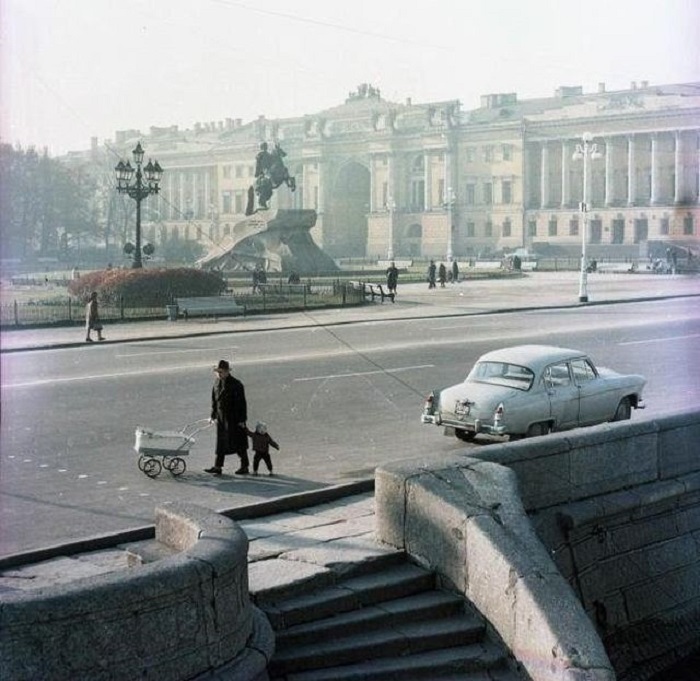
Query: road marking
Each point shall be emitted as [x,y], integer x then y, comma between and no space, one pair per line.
[660,340]
[364,373]
[228,348]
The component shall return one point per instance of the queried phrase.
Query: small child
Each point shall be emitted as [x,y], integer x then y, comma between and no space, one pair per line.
[261,446]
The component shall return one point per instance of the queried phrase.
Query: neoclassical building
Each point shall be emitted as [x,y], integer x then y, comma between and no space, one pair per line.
[431,179]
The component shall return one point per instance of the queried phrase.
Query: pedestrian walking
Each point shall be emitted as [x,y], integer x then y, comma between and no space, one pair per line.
[92,319]
[442,275]
[262,441]
[431,274]
[392,278]
[455,272]
[229,411]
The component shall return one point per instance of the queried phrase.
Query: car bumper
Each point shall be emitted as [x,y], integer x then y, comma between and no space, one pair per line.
[475,426]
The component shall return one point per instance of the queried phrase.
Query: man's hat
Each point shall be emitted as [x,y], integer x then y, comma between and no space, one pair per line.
[223,364]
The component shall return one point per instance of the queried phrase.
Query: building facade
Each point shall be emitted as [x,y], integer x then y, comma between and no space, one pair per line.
[433,180]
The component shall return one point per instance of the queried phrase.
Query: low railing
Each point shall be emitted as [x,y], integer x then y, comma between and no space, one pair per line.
[266,298]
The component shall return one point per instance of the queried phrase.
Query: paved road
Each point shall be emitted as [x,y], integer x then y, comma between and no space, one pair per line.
[350,393]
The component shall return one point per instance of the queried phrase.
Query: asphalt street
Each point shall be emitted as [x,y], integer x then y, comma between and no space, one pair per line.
[341,390]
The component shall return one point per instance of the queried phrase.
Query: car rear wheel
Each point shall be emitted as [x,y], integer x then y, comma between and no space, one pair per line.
[464,435]
[624,410]
[537,429]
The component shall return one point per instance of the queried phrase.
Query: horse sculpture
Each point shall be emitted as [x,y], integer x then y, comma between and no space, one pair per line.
[270,173]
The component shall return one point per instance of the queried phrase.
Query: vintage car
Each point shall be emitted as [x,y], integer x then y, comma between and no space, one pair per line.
[530,390]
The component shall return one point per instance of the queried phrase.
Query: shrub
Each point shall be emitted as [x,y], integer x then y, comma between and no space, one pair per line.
[146,287]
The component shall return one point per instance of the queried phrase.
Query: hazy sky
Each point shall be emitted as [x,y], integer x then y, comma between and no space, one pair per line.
[73,69]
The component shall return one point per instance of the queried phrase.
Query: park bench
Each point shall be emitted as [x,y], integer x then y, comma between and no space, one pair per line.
[208,306]
[373,290]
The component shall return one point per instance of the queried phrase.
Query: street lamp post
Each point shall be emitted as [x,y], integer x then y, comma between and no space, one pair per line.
[587,149]
[391,205]
[450,201]
[146,182]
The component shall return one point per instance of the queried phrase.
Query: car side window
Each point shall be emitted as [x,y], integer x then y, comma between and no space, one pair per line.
[557,375]
[583,371]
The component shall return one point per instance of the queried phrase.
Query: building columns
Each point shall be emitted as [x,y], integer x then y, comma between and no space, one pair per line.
[609,172]
[679,188]
[428,189]
[565,174]
[544,180]
[654,198]
[631,170]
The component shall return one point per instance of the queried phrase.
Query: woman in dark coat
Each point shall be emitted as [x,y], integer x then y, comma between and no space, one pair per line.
[229,411]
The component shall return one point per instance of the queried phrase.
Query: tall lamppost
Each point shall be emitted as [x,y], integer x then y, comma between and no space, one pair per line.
[146,182]
[391,205]
[450,200]
[587,149]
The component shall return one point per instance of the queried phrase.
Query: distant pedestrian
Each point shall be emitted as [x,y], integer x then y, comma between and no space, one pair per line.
[92,319]
[392,278]
[431,274]
[455,272]
[262,441]
[229,411]
[442,274]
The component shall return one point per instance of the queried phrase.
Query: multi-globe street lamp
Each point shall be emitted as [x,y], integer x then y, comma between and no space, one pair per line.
[146,181]
[587,149]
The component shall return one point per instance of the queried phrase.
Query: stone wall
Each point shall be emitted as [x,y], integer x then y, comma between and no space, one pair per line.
[176,618]
[566,540]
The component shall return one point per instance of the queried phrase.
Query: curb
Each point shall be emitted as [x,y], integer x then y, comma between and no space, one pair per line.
[393,318]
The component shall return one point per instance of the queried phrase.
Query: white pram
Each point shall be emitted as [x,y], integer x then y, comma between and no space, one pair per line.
[165,449]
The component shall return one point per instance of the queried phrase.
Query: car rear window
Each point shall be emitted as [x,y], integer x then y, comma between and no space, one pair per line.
[502,373]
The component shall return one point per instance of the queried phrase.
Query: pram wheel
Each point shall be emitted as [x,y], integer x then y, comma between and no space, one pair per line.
[175,465]
[152,468]
[142,462]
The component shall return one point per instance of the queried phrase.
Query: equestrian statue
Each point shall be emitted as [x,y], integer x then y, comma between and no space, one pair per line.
[270,173]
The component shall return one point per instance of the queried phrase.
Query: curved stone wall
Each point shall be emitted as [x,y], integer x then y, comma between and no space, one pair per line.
[176,618]
[580,548]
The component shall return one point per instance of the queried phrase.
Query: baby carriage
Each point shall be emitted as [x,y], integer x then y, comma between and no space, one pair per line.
[166,449]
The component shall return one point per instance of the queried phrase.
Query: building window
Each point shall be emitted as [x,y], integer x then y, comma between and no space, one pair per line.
[470,194]
[239,202]
[664,226]
[316,197]
[552,226]
[470,229]
[506,227]
[418,195]
[470,152]
[226,205]
[573,227]
[251,171]
[507,151]
[488,193]
[199,233]
[488,154]
[227,172]
[688,225]
[385,194]
[488,231]
[239,171]
[507,191]
[227,229]
[532,228]
[441,192]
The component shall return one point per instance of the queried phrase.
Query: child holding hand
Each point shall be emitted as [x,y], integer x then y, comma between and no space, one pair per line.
[261,446]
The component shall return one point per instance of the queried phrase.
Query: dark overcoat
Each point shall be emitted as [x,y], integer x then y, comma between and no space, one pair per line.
[229,409]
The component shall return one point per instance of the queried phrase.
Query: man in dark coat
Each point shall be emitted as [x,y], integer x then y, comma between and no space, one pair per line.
[392,277]
[229,411]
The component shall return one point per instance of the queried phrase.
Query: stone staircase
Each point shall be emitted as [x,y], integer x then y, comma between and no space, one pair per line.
[389,621]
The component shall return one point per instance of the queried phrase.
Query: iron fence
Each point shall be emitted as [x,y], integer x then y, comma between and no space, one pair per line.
[267,298]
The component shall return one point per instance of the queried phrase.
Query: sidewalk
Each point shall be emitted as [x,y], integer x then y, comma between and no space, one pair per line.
[535,290]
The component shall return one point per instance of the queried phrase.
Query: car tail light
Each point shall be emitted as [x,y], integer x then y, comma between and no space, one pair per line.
[498,415]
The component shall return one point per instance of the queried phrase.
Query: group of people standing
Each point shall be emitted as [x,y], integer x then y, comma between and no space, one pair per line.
[441,274]
[229,411]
